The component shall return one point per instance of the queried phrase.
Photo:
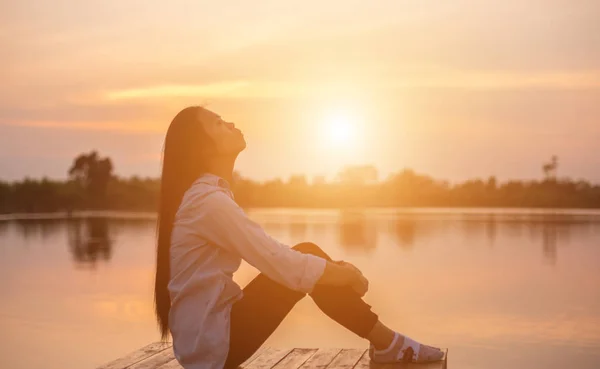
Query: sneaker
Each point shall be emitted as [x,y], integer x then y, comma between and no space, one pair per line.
[404,349]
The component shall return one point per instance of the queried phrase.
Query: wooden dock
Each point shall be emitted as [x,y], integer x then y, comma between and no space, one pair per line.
[160,356]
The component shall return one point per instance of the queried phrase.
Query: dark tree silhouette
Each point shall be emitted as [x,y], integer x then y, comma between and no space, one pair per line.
[550,169]
[358,175]
[93,174]
[93,185]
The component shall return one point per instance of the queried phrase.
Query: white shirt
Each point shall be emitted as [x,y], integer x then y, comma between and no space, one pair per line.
[211,235]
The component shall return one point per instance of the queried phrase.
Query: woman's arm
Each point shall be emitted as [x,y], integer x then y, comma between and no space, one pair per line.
[217,219]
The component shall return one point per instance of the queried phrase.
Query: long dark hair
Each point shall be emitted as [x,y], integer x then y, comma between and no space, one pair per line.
[183,163]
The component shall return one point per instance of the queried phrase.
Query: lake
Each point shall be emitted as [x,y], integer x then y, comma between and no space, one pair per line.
[499,288]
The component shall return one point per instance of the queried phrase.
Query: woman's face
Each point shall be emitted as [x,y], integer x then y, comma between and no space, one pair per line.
[227,139]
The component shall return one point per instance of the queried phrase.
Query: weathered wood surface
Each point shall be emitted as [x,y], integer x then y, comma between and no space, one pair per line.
[160,356]
[137,356]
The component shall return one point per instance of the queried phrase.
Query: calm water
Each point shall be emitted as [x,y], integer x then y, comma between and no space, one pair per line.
[501,290]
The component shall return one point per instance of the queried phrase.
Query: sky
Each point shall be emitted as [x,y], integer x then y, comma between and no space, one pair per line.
[453,89]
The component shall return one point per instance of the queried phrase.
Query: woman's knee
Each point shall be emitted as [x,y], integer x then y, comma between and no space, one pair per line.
[311,248]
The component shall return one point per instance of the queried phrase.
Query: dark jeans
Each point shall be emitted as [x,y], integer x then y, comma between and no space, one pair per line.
[266,303]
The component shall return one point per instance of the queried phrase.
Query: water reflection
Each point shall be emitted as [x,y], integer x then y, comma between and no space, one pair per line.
[3,229]
[554,235]
[550,242]
[298,230]
[491,229]
[406,232]
[44,228]
[90,241]
[356,231]
[484,302]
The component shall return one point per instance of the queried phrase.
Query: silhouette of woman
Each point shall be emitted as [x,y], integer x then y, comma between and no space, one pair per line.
[202,237]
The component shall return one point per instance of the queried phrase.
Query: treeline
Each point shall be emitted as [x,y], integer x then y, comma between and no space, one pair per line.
[93,186]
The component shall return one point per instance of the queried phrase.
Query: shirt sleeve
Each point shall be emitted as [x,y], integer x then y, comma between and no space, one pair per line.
[225,224]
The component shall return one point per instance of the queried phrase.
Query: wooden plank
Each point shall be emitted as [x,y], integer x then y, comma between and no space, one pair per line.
[253,357]
[136,356]
[365,363]
[268,358]
[160,356]
[346,359]
[173,364]
[295,358]
[155,361]
[321,359]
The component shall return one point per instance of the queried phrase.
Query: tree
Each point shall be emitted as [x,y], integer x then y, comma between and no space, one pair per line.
[93,174]
[550,169]
[358,175]
[319,180]
[298,181]
[492,183]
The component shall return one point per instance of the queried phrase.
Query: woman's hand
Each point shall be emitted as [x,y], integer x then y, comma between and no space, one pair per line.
[359,283]
[342,273]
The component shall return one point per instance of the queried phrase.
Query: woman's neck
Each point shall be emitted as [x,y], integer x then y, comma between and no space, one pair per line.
[222,167]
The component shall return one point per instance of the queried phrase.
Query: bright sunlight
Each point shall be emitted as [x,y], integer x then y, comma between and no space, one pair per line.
[340,129]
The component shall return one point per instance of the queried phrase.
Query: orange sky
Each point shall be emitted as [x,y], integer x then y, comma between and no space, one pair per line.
[453,89]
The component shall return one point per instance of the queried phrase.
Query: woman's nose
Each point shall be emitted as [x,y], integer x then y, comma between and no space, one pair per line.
[230,125]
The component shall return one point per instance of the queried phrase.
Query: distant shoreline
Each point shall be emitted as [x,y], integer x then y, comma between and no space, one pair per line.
[285,211]
[354,187]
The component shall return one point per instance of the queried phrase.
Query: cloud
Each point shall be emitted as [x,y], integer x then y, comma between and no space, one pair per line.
[123,127]
[499,80]
[423,78]
[96,114]
[219,89]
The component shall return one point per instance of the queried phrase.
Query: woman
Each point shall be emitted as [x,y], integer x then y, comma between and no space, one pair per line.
[202,237]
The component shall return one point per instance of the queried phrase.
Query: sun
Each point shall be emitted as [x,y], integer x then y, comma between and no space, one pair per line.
[340,129]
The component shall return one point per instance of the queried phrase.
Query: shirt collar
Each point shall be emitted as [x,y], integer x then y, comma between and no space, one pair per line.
[213,179]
